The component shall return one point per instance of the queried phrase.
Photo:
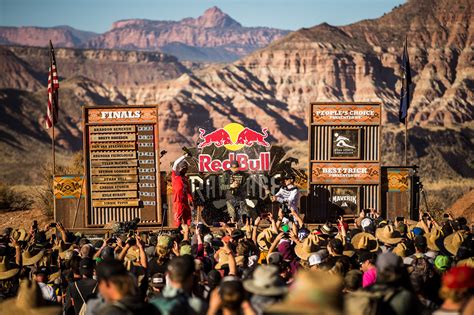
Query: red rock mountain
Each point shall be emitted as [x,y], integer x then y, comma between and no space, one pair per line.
[214,31]
[61,36]
[212,37]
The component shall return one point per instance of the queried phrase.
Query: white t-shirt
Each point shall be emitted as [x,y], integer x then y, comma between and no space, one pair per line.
[47,292]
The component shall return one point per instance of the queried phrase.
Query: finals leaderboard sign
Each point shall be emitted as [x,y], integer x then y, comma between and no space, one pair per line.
[121,162]
[344,158]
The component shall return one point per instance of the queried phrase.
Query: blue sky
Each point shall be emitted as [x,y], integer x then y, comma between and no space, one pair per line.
[98,15]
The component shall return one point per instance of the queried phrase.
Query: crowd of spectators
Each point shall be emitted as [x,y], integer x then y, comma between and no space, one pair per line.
[273,264]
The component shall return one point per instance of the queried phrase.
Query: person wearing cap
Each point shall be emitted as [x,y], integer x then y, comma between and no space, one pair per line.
[41,277]
[288,194]
[176,297]
[156,285]
[367,266]
[233,182]
[457,291]
[182,197]
[78,292]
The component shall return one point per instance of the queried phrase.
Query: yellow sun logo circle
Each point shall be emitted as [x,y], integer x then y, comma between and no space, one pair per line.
[234,129]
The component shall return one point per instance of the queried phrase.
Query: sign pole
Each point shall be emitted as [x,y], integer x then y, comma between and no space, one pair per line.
[406,141]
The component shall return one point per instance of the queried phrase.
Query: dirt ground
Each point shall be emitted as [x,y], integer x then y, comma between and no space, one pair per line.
[464,207]
[23,219]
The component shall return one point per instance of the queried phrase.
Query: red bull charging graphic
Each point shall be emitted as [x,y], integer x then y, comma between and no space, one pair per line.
[234,137]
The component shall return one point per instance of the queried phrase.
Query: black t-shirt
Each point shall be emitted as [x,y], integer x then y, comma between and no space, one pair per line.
[86,286]
[155,267]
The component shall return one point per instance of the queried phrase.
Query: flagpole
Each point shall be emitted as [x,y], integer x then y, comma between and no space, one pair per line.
[406,140]
[53,142]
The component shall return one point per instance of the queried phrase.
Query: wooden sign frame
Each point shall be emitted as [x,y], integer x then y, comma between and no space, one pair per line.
[323,119]
[123,124]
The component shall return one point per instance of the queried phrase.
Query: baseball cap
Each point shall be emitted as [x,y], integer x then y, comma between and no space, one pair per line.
[42,271]
[364,256]
[442,262]
[315,259]
[237,234]
[420,241]
[164,241]
[417,231]
[366,223]
[158,280]
[86,264]
[208,238]
[185,250]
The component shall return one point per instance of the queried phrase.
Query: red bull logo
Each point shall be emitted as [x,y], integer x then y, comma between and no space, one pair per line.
[262,163]
[234,137]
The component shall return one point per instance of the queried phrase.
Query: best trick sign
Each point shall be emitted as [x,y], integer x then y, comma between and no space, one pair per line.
[121,162]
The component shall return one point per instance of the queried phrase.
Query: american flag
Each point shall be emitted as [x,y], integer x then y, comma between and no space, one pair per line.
[53,85]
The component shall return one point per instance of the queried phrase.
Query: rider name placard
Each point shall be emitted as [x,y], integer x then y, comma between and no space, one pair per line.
[114,194]
[112,146]
[113,137]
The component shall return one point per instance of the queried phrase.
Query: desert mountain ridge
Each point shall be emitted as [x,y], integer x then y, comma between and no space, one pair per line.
[211,37]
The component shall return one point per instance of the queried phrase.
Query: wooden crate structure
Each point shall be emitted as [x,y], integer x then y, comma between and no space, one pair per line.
[344,159]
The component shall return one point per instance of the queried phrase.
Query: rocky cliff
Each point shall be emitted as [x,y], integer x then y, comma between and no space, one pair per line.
[61,36]
[212,37]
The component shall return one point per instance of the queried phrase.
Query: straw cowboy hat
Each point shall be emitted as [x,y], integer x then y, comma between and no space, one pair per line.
[63,249]
[266,281]
[388,235]
[365,241]
[313,292]
[453,241]
[264,239]
[400,250]
[19,235]
[28,258]
[28,301]
[55,274]
[223,260]
[5,272]
[431,239]
[133,254]
[466,262]
[328,229]
[309,245]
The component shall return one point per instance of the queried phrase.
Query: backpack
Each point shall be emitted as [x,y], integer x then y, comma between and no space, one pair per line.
[83,309]
[176,305]
[421,267]
[364,302]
